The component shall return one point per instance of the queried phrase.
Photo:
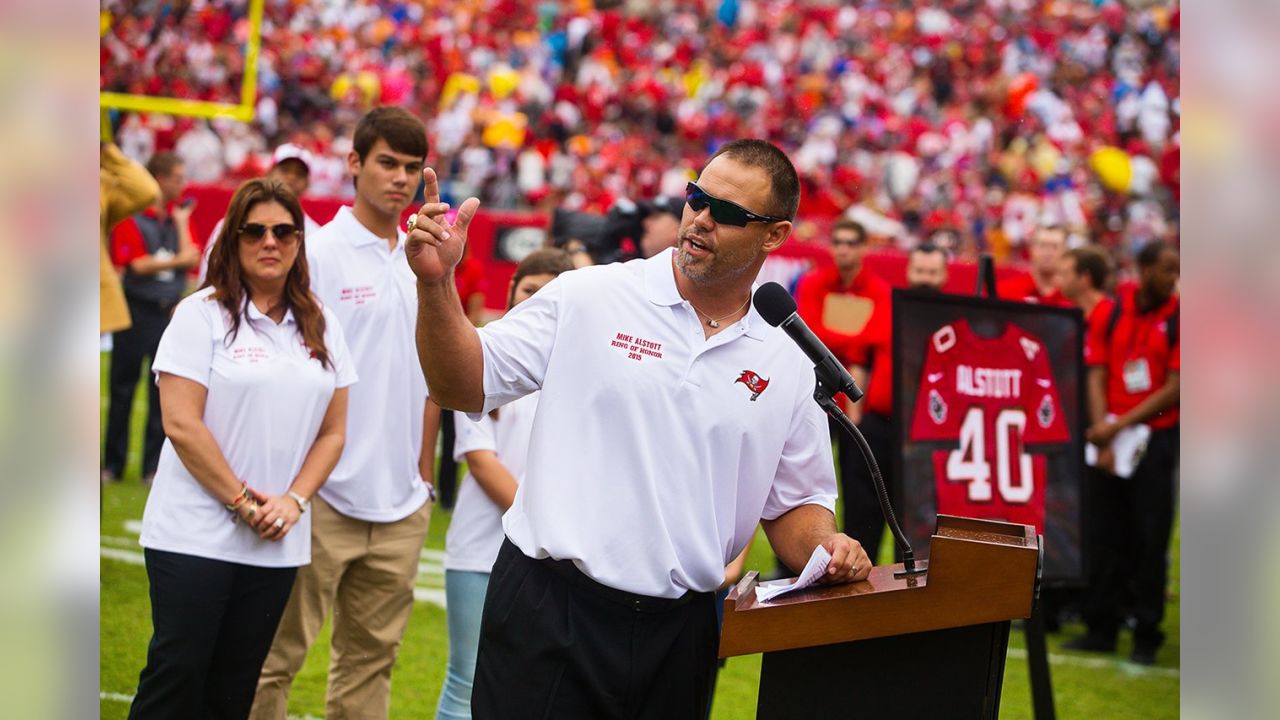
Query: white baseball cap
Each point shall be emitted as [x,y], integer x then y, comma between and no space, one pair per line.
[289,151]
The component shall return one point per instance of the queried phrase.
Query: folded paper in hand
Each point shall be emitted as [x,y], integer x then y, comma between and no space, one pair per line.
[1130,445]
[813,572]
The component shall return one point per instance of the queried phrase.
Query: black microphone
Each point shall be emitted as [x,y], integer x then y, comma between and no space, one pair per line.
[777,308]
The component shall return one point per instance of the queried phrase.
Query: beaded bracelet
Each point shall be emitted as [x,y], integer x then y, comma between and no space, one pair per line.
[239,500]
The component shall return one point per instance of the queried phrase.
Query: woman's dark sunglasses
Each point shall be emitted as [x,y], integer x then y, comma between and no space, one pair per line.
[724,212]
[284,233]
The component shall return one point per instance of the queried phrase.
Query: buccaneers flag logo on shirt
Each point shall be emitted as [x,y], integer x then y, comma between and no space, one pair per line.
[754,383]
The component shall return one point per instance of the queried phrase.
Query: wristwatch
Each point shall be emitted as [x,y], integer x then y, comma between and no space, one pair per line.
[303,503]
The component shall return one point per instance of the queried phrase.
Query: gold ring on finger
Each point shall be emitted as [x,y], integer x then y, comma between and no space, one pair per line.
[412,223]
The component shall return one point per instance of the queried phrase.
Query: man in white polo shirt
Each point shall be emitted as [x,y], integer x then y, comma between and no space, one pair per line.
[672,420]
[370,518]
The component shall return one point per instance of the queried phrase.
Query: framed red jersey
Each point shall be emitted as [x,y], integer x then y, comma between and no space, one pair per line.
[989,409]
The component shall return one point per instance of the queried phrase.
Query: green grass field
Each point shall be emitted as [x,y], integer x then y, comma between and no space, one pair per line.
[1085,685]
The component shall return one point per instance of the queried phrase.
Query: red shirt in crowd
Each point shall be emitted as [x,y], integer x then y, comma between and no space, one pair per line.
[1138,354]
[127,244]
[469,278]
[1023,288]
[875,352]
[811,298]
[1095,325]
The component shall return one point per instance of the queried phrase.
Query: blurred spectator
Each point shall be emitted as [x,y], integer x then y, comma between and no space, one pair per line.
[155,248]
[927,268]
[992,118]
[292,167]
[1135,363]
[124,188]
[1043,284]
[837,302]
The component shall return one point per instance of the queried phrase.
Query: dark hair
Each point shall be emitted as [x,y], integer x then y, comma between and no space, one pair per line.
[847,224]
[543,261]
[928,248]
[226,276]
[785,184]
[1092,262]
[403,131]
[162,164]
[1150,253]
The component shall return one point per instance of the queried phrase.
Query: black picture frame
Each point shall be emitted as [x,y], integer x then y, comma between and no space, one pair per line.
[916,316]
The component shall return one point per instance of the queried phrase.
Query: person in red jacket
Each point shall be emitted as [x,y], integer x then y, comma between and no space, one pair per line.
[872,358]
[1044,284]
[1135,364]
[838,303]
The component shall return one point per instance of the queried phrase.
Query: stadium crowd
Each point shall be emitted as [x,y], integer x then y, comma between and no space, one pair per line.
[975,120]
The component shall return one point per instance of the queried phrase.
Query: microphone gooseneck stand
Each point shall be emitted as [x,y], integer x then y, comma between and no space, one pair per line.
[824,394]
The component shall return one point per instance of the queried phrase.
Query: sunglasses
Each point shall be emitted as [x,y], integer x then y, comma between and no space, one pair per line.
[285,233]
[724,212]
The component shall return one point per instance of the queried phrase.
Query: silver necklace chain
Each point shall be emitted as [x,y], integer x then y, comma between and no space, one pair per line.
[715,322]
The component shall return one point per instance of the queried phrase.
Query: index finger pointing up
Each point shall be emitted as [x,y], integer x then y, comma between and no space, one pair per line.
[431,186]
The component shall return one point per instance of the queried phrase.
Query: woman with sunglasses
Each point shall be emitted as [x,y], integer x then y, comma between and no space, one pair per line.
[253,375]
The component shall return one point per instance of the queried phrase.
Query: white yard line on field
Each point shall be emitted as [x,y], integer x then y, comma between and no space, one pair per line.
[121,697]
[1100,663]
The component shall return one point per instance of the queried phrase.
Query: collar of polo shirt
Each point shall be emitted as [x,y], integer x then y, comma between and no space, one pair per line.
[361,235]
[256,314]
[660,289]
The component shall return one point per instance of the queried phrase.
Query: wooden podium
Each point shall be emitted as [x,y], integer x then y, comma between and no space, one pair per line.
[928,646]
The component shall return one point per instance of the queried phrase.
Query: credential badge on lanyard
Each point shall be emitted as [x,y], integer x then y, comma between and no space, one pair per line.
[1137,376]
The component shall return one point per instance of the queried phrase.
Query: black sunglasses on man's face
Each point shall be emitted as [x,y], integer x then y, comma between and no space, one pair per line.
[724,212]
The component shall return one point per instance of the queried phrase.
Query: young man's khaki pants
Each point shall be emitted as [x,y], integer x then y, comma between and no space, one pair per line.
[364,572]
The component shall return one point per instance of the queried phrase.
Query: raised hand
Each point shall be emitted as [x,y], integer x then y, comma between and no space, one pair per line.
[434,246]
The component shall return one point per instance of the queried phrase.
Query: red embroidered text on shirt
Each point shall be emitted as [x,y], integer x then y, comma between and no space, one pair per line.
[637,348]
[250,355]
[358,295]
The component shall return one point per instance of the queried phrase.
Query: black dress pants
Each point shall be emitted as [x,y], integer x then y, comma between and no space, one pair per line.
[1129,531]
[129,348]
[556,644]
[863,519]
[447,482]
[213,623]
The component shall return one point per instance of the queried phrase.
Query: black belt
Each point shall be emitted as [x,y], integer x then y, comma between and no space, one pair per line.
[640,603]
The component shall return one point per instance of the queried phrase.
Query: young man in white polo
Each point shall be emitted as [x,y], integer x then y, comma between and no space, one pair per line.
[370,518]
[693,421]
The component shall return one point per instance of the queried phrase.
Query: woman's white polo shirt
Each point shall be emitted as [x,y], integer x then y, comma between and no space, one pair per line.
[266,399]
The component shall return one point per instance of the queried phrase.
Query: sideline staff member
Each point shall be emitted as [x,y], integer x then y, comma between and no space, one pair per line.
[701,424]
[253,377]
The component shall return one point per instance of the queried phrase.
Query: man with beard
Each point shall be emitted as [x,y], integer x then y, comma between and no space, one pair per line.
[694,422]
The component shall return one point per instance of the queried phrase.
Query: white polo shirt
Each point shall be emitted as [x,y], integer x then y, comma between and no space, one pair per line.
[266,399]
[375,296]
[475,533]
[655,451]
